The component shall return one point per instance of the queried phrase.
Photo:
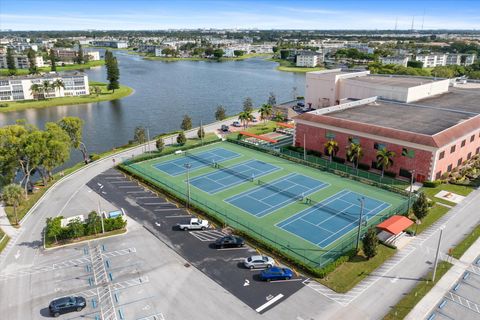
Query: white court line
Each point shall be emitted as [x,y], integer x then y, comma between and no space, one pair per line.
[269,303]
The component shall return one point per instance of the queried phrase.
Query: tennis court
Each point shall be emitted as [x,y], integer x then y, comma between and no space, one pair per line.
[223,179]
[327,221]
[267,198]
[203,159]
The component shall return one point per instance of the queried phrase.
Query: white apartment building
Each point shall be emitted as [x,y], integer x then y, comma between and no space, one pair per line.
[21,61]
[432,60]
[400,60]
[309,59]
[69,54]
[461,59]
[20,47]
[111,43]
[19,88]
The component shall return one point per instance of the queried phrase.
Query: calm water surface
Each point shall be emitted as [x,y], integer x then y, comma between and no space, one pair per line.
[164,92]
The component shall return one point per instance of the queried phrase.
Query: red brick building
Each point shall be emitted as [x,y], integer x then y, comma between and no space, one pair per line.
[431,136]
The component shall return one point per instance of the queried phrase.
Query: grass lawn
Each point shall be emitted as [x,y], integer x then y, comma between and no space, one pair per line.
[410,299]
[463,246]
[105,95]
[88,65]
[350,273]
[258,128]
[435,213]
[458,189]
[86,238]
[3,240]
[288,66]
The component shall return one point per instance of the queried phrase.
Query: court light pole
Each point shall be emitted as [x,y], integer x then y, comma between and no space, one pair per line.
[412,173]
[188,166]
[304,148]
[362,201]
[436,254]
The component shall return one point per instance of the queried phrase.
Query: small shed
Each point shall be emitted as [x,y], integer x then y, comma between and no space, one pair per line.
[395,224]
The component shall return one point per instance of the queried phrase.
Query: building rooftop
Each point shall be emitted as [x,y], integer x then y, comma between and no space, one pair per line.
[394,81]
[465,99]
[45,75]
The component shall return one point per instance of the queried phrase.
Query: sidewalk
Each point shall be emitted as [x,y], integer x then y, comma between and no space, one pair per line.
[429,302]
[5,224]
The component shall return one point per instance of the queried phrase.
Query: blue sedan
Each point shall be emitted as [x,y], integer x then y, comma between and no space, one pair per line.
[276,273]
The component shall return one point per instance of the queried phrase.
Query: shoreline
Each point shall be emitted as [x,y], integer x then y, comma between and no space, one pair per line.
[105,95]
[286,66]
[223,59]
[72,67]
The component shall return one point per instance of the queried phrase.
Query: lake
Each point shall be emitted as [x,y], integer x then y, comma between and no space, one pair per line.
[164,93]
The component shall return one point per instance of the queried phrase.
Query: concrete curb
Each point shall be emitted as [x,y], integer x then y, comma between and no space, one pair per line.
[83,241]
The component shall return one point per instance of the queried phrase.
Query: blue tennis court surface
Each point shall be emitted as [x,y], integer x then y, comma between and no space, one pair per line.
[177,166]
[214,182]
[267,198]
[324,223]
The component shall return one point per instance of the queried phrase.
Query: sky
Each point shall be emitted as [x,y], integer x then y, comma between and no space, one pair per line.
[260,14]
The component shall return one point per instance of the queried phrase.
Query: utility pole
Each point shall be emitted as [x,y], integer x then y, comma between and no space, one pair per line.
[362,200]
[413,21]
[412,173]
[304,148]
[148,139]
[436,255]
[101,217]
[201,131]
[188,166]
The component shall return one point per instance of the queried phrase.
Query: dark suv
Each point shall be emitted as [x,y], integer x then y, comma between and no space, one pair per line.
[66,304]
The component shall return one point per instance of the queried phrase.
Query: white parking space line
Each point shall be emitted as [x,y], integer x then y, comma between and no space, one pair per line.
[148,198]
[168,209]
[136,191]
[208,235]
[179,216]
[286,280]
[269,303]
[154,203]
[238,248]
[124,187]
[119,181]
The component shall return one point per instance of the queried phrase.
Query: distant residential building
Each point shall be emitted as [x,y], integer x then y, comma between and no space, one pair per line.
[432,60]
[110,43]
[158,50]
[460,59]
[21,61]
[68,54]
[92,55]
[399,60]
[147,48]
[19,88]
[309,59]
[20,47]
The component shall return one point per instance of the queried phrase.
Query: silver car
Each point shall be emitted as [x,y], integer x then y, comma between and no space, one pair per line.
[258,262]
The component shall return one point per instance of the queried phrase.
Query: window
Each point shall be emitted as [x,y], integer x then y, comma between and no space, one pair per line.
[408,153]
[378,146]
[449,168]
[330,135]
[405,173]
[469,155]
[463,143]
[459,162]
[477,151]
[438,175]
[442,155]
[374,165]
[472,138]
[452,149]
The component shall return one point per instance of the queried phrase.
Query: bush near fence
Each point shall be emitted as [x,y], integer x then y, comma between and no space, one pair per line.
[315,261]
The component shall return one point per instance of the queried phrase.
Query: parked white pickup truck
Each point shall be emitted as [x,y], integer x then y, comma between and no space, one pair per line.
[194,224]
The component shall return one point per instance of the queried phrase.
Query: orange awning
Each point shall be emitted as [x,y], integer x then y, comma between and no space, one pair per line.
[248,134]
[286,125]
[395,224]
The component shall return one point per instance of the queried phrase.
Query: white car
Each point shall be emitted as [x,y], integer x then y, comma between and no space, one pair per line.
[194,224]
[236,124]
[258,262]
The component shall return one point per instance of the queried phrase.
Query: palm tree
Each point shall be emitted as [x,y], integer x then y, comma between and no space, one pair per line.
[385,159]
[46,87]
[58,84]
[354,153]
[331,148]
[245,117]
[36,89]
[13,195]
[265,111]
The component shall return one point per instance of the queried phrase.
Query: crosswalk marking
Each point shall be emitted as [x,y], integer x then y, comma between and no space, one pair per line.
[207,235]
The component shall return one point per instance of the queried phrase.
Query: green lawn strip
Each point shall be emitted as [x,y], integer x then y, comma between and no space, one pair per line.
[350,273]
[410,299]
[85,238]
[257,128]
[264,227]
[287,66]
[3,240]
[454,188]
[435,213]
[88,65]
[463,246]
[105,95]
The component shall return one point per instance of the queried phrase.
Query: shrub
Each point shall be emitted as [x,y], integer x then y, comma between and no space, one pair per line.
[432,184]
[370,243]
[3,105]
[181,139]
[95,157]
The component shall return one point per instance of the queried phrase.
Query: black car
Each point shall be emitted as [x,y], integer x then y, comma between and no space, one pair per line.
[66,305]
[224,128]
[229,242]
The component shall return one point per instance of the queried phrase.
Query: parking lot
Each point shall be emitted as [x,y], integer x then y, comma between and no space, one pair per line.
[462,301]
[160,216]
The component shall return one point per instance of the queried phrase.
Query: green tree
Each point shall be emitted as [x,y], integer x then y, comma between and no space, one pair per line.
[265,112]
[113,80]
[13,195]
[73,126]
[12,69]
[58,84]
[80,57]
[53,66]
[370,243]
[57,150]
[354,153]
[209,51]
[32,150]
[238,53]
[160,144]
[181,139]
[186,123]
[139,135]
[331,148]
[11,137]
[201,133]
[76,228]
[384,159]
[54,228]
[93,223]
[245,117]
[32,62]
[420,206]
[248,104]
[36,89]
[46,86]
[220,113]
[415,64]
[272,100]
